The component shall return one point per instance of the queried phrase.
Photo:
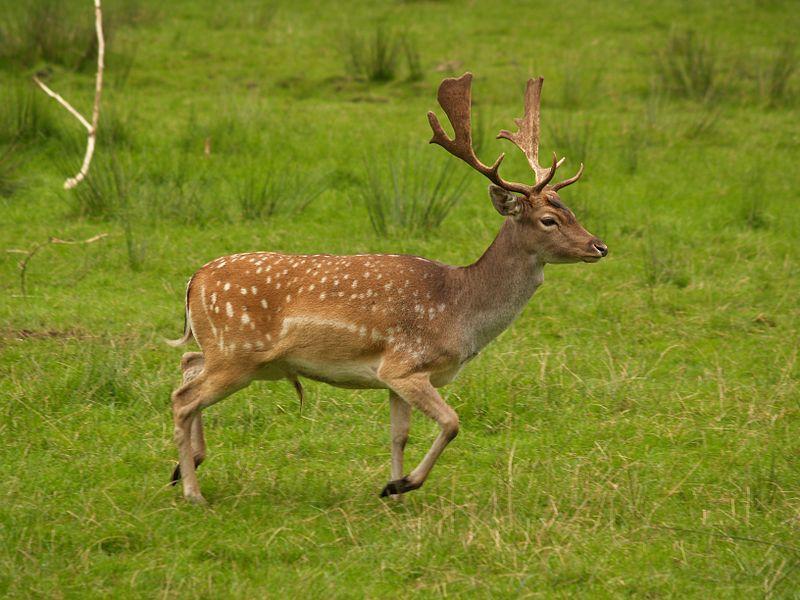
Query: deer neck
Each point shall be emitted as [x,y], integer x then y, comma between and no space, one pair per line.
[496,288]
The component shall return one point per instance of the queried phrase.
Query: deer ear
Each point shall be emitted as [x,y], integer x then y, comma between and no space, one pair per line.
[506,203]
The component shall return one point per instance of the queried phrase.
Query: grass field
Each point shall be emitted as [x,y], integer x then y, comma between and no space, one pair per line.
[635,433]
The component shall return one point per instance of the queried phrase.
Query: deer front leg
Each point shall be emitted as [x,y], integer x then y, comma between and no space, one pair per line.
[418,391]
[400,414]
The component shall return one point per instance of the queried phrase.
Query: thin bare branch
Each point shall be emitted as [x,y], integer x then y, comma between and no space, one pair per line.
[91,128]
[58,98]
[29,254]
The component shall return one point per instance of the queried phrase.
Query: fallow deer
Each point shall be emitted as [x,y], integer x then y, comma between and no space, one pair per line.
[402,323]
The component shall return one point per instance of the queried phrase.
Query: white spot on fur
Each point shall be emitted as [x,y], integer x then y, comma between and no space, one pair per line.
[263,303]
[227,286]
[245,319]
[229,309]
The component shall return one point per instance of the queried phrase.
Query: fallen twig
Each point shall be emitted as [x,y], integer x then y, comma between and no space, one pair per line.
[29,254]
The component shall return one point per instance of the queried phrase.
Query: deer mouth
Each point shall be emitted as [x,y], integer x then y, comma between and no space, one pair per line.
[591,258]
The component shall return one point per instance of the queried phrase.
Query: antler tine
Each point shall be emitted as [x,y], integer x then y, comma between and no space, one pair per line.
[455,98]
[569,181]
[544,179]
[527,135]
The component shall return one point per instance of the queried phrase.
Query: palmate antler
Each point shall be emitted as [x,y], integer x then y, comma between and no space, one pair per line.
[455,97]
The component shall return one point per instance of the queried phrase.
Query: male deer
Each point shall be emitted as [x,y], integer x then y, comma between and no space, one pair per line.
[402,323]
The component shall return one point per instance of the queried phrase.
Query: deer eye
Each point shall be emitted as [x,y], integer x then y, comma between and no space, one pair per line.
[548,221]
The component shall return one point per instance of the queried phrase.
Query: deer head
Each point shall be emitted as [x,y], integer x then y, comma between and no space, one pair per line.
[543,224]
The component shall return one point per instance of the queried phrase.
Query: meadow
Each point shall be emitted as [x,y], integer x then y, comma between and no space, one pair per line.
[636,433]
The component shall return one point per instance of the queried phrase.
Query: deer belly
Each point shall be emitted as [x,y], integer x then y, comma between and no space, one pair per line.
[354,374]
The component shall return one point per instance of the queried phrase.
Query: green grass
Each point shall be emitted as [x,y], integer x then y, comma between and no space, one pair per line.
[635,433]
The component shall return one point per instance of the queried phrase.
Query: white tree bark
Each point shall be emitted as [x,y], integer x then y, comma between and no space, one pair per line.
[91,128]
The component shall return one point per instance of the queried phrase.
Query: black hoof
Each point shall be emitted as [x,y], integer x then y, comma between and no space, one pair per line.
[176,474]
[398,486]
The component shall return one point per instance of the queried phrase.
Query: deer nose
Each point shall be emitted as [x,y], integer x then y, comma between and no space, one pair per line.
[600,247]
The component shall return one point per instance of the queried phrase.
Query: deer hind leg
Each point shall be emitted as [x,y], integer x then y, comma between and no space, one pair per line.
[400,413]
[199,392]
[192,364]
[418,391]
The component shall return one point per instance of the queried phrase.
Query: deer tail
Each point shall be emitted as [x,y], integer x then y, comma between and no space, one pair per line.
[187,322]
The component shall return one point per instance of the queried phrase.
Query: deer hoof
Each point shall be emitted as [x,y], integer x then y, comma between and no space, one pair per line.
[196,499]
[398,486]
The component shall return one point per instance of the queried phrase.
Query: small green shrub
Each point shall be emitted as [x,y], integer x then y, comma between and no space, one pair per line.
[104,192]
[25,115]
[576,90]
[688,66]
[571,137]
[775,74]
[701,122]
[60,33]
[135,245]
[46,30]
[181,189]
[753,202]
[662,263]
[102,377]
[374,58]
[632,142]
[410,192]
[10,179]
[265,192]
[377,57]
[413,59]
[233,131]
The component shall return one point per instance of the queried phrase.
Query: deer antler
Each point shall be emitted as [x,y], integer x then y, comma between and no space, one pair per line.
[527,136]
[455,97]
